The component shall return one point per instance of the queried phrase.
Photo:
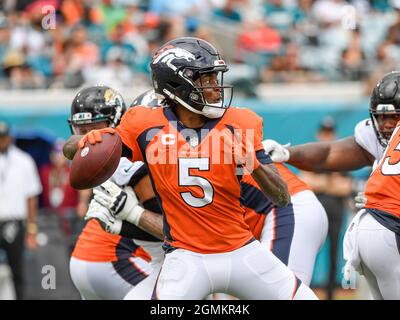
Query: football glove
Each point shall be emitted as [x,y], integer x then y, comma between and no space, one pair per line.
[122,203]
[277,152]
[103,215]
[360,200]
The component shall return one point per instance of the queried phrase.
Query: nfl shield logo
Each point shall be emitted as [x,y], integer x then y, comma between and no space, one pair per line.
[194,141]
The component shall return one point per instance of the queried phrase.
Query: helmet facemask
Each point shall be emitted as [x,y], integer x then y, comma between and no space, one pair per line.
[108,109]
[386,110]
[196,98]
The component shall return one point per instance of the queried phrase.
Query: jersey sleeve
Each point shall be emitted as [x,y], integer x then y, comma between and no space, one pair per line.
[128,131]
[258,135]
[249,120]
[365,137]
[253,122]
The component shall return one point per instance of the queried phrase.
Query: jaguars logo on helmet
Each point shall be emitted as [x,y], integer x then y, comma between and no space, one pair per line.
[96,104]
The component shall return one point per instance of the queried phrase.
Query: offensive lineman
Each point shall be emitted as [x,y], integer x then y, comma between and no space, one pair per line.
[365,148]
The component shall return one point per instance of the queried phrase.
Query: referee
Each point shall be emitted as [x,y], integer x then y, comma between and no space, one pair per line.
[19,189]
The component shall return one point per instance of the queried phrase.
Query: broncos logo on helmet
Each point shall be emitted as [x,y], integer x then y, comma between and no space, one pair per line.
[148,98]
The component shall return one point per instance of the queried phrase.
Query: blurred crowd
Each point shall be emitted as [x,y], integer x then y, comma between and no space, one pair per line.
[68,43]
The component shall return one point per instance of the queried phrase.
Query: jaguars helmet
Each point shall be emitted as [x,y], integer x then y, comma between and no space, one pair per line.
[385,99]
[96,104]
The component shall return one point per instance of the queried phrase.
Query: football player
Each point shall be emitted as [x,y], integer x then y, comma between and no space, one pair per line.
[106,265]
[365,148]
[372,241]
[208,245]
[294,233]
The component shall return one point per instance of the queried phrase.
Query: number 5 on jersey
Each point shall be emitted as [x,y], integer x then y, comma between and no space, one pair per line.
[188,180]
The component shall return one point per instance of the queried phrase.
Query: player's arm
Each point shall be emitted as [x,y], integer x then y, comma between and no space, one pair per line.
[152,223]
[124,205]
[151,219]
[265,173]
[272,184]
[340,155]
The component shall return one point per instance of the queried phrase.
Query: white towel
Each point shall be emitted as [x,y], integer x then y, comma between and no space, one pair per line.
[350,247]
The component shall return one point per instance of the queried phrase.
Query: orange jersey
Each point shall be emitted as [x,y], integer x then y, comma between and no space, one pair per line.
[96,245]
[198,190]
[382,190]
[257,204]
[294,183]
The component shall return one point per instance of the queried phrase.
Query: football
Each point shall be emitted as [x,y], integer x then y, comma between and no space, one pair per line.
[94,164]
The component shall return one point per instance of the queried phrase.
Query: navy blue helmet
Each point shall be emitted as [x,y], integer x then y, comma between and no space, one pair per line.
[148,98]
[178,64]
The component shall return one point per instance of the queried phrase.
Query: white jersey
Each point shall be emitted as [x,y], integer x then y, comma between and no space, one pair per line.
[365,136]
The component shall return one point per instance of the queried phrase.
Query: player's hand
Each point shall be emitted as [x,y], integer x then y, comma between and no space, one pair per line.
[277,152]
[103,215]
[94,136]
[122,203]
[360,200]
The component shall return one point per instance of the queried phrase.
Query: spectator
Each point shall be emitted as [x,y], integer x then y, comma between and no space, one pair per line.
[114,73]
[332,190]
[19,74]
[279,16]
[228,11]
[111,15]
[28,36]
[329,13]
[285,68]
[259,39]
[59,197]
[19,189]
[84,50]
[68,67]
[354,62]
[390,47]
[73,57]
[116,42]
[4,40]
[57,192]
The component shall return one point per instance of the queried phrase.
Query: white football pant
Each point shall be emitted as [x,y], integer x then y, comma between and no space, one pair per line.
[250,272]
[102,281]
[296,233]
[380,258]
